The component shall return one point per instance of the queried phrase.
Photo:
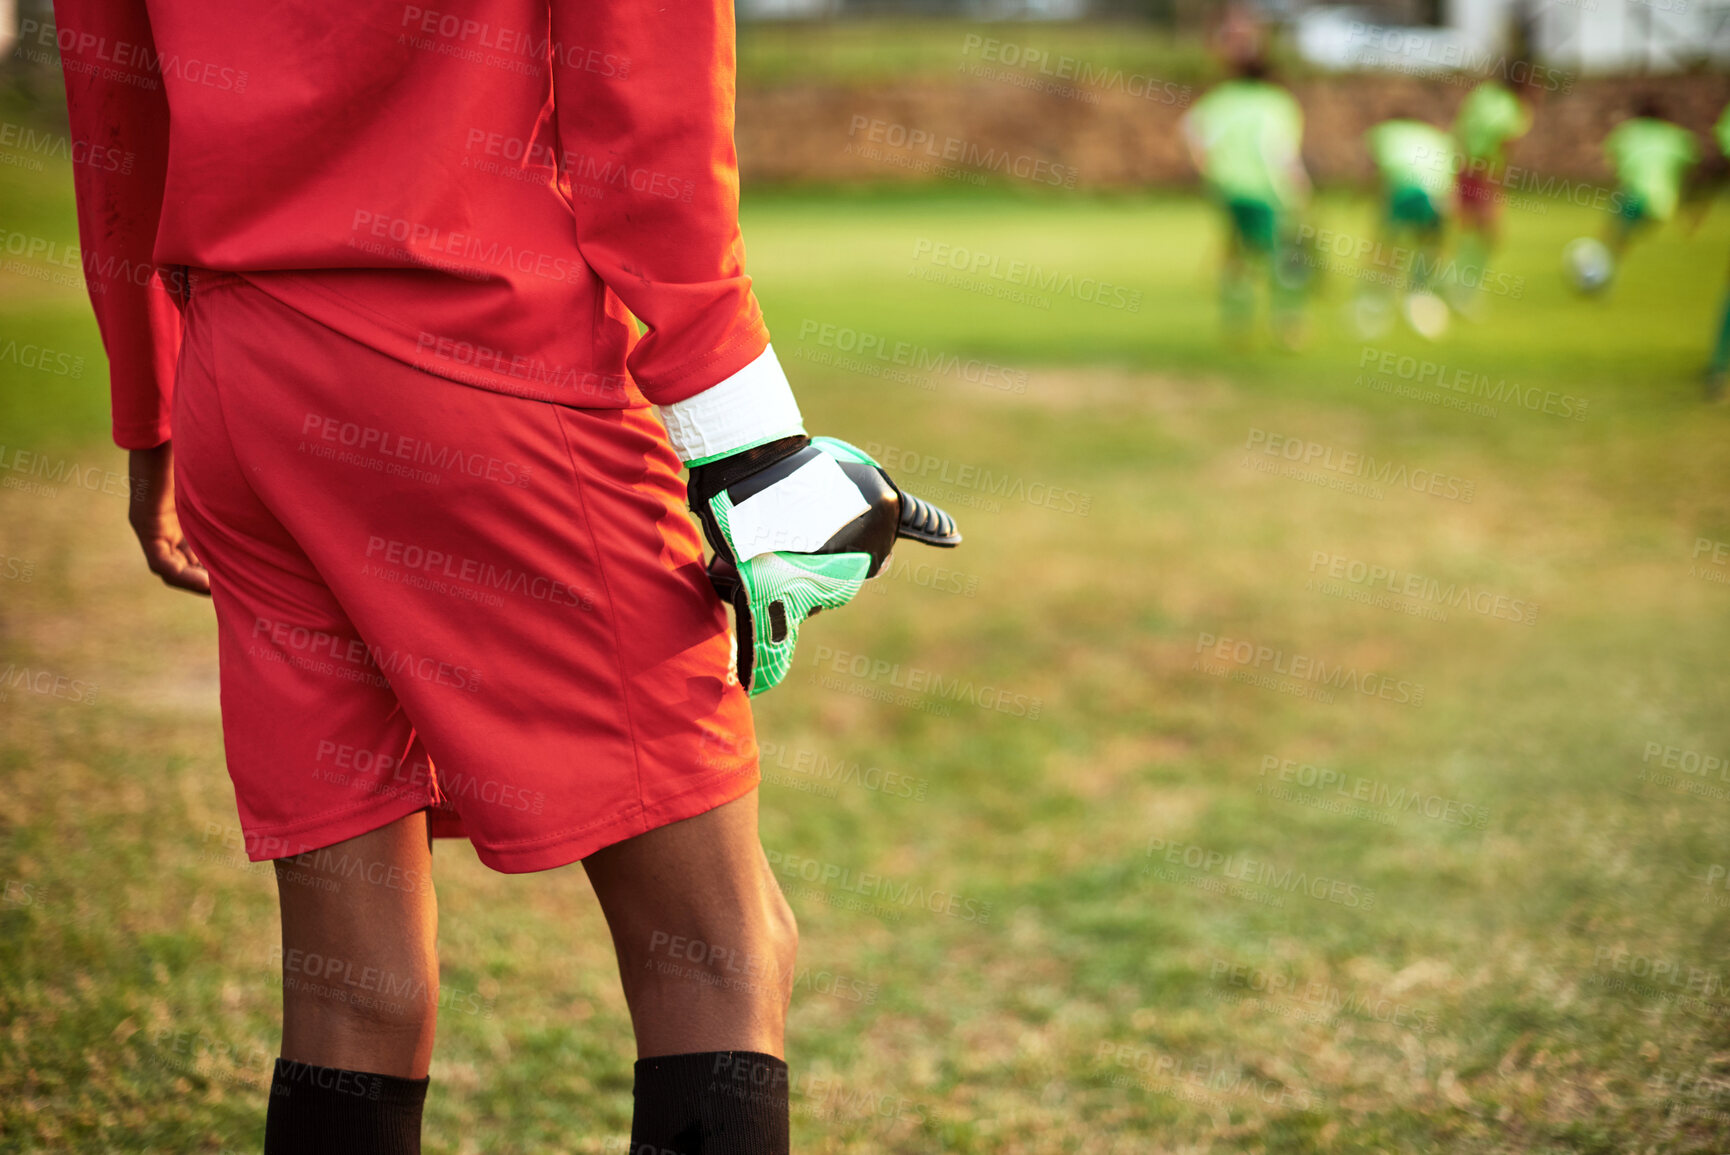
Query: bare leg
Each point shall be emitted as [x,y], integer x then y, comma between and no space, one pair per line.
[706,942]
[359,952]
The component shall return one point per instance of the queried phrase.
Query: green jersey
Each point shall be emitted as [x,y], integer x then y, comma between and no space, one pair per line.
[1651,157]
[1412,154]
[1489,118]
[1248,133]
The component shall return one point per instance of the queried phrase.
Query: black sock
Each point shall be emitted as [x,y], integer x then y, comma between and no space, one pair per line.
[710,1103]
[328,1111]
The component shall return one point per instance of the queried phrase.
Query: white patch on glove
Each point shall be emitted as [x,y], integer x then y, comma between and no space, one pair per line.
[796,514]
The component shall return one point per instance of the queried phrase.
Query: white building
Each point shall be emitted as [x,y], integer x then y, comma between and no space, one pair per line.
[1580,36]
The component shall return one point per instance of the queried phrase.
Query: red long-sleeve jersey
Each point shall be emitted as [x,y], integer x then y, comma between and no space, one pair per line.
[488,191]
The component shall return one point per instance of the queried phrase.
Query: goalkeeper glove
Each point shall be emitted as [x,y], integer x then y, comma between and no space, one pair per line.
[797,526]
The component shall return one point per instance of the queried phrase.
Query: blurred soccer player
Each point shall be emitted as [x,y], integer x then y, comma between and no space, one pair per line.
[1245,138]
[1718,369]
[1652,158]
[1414,161]
[1490,118]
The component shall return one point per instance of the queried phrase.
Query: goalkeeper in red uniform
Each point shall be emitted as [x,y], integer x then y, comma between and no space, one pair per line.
[370,296]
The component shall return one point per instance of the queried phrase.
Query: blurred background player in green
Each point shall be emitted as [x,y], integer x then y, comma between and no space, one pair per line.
[1652,158]
[1718,369]
[1245,138]
[1414,160]
[1490,118]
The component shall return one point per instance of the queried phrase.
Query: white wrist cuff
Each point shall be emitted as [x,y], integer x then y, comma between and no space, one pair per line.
[753,406]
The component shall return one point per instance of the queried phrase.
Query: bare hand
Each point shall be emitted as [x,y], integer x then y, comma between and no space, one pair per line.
[153,519]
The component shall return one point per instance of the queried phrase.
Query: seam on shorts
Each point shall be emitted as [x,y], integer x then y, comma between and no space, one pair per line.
[612,602]
[216,379]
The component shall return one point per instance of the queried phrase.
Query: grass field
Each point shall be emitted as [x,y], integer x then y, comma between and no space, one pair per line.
[1472,901]
[888,50]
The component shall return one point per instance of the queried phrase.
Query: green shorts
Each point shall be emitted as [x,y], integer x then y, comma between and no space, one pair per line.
[1256,222]
[1634,209]
[1411,205]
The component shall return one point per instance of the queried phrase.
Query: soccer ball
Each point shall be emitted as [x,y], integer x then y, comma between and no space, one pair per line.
[1588,264]
[1427,314]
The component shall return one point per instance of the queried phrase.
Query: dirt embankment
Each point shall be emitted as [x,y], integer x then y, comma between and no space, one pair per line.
[1025,128]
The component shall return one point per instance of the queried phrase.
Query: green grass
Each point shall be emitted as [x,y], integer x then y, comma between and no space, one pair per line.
[885,51]
[1473,1005]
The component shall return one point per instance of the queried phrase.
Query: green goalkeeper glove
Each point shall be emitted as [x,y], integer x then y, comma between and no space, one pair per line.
[797,526]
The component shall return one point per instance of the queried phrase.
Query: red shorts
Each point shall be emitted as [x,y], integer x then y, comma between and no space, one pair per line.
[430,596]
